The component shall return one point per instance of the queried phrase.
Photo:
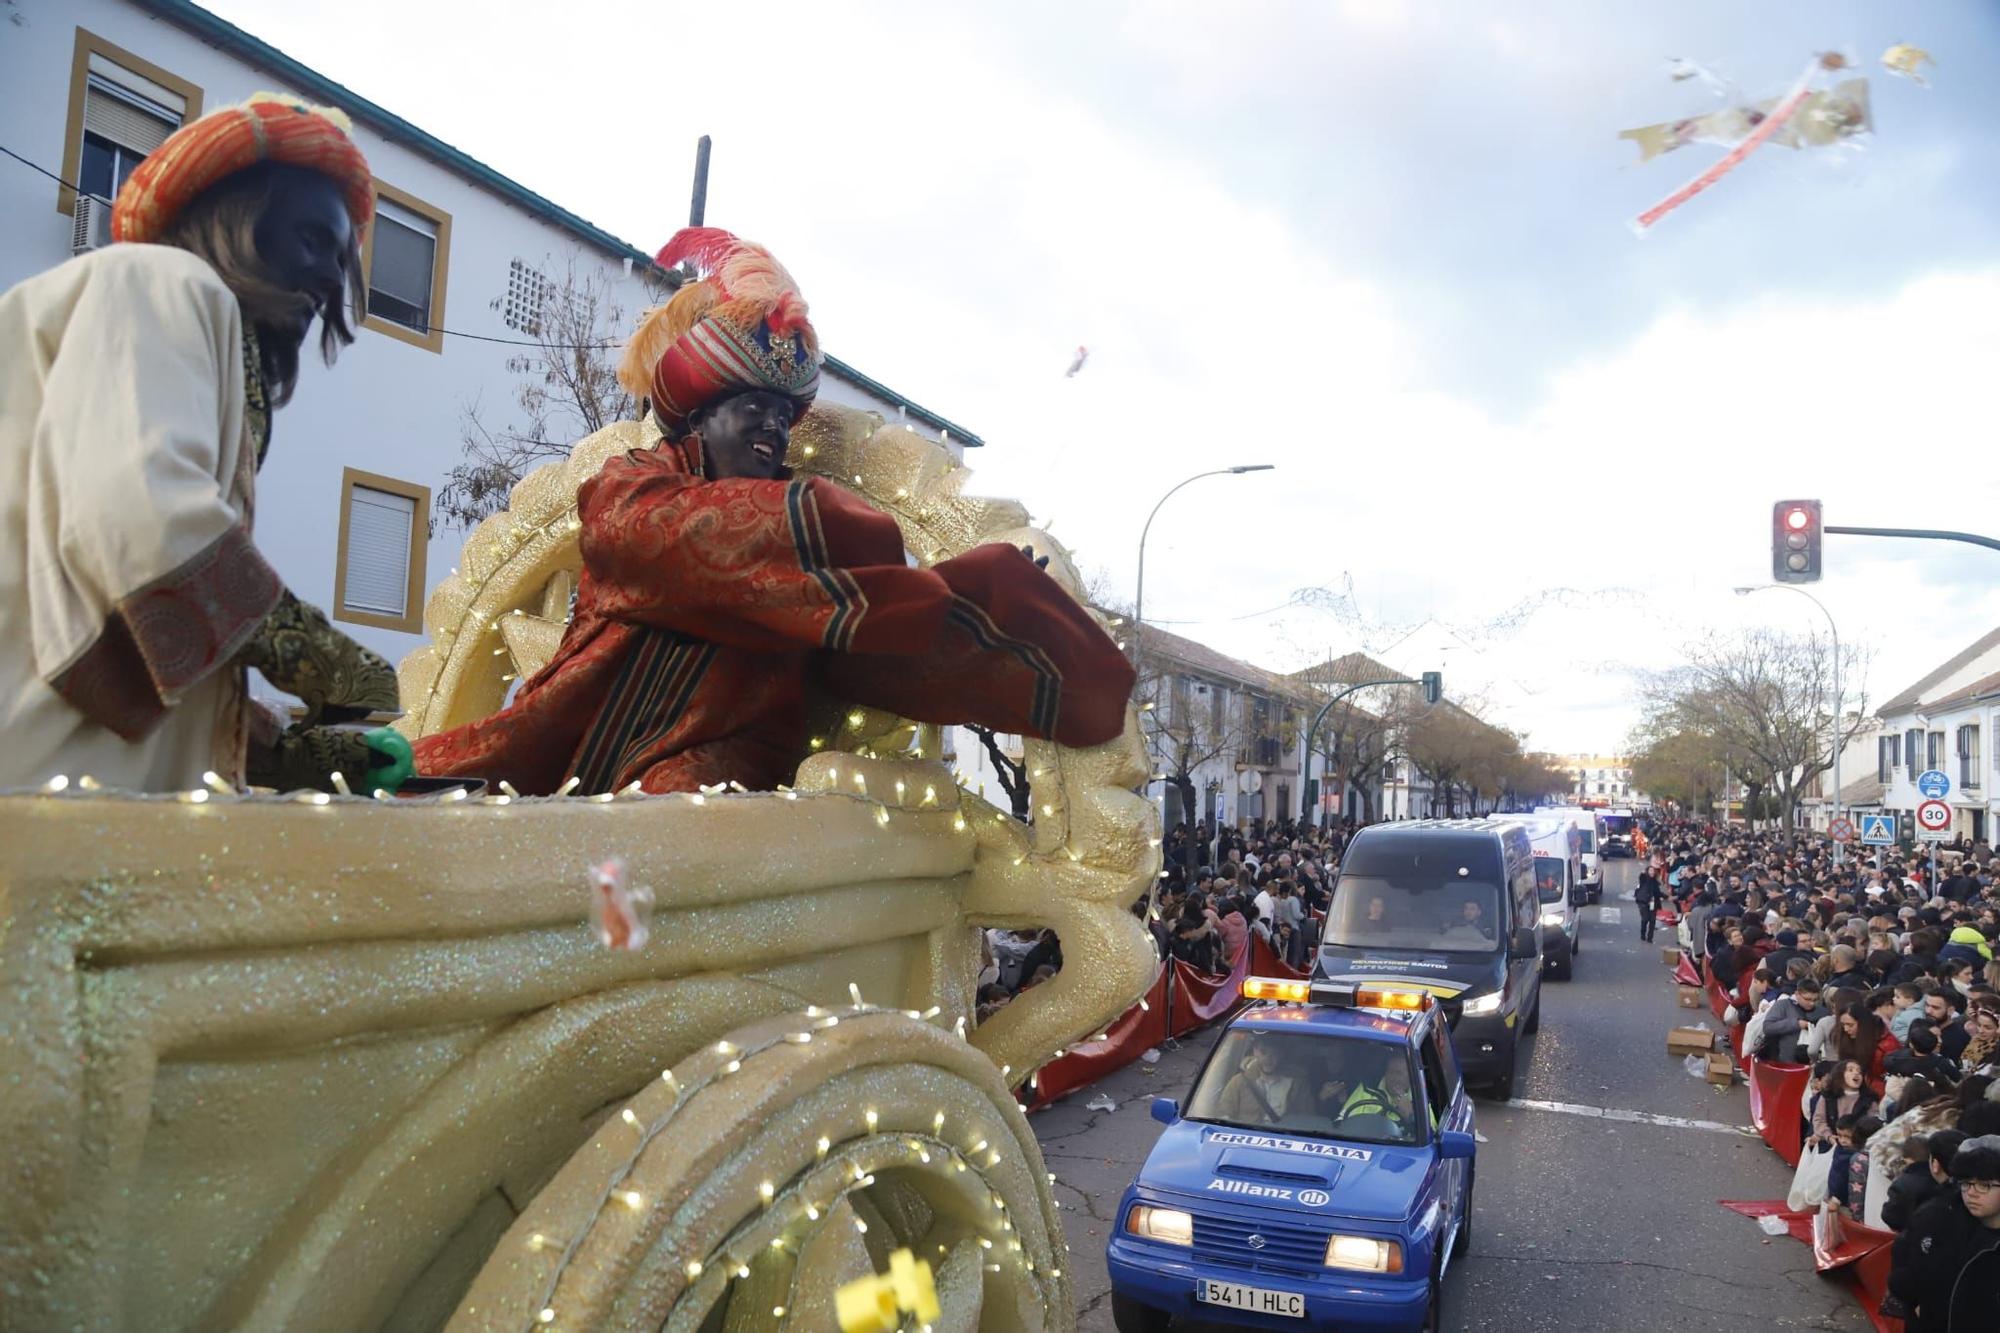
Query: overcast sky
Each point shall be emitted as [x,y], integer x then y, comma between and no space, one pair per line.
[1382,245]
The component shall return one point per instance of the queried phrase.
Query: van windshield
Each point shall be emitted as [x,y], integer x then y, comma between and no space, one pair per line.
[1617,826]
[1415,908]
[1300,1084]
[1549,878]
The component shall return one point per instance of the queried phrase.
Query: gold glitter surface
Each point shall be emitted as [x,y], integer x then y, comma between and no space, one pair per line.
[273,1063]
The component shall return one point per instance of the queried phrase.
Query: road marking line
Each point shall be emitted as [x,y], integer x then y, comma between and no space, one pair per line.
[1633,1117]
[1610,916]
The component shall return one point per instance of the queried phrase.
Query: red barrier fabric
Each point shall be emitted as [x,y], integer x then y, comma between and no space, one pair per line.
[1798,1224]
[1863,1251]
[1684,973]
[1137,1031]
[1776,1091]
[1265,963]
[1718,998]
[1200,999]
[1871,1279]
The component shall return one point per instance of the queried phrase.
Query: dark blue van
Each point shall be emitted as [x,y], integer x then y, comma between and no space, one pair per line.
[1451,906]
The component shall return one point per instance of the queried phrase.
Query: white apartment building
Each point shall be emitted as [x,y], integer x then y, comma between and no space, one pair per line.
[1602,779]
[1949,721]
[455,255]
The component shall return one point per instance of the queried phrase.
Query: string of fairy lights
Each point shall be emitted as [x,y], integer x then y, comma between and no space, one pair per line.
[841,1167]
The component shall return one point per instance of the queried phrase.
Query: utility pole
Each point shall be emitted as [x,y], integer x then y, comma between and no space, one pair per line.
[698,209]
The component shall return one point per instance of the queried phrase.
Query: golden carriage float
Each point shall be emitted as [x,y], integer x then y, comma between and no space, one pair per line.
[300,1062]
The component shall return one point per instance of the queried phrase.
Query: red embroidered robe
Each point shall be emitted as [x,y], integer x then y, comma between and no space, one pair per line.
[705,607]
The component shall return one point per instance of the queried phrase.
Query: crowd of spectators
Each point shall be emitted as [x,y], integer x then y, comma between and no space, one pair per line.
[1888,987]
[1222,886]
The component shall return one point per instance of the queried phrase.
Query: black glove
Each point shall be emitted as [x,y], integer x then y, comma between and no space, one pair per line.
[301,653]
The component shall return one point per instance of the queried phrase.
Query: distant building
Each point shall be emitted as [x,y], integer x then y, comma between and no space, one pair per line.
[1601,779]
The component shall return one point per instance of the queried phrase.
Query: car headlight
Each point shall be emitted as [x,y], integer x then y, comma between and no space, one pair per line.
[1364,1253]
[1552,918]
[1483,1004]
[1170,1226]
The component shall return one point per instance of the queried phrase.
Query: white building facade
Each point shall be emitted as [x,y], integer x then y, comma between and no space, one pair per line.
[1948,721]
[344,504]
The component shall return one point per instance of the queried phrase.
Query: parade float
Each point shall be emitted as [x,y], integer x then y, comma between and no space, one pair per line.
[300,1061]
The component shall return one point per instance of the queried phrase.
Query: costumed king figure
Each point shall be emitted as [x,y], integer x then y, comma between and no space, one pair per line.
[716,587]
[137,384]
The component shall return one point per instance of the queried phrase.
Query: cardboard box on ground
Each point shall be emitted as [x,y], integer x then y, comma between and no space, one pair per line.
[1690,1041]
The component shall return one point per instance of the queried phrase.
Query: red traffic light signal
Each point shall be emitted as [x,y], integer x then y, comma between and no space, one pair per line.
[1796,534]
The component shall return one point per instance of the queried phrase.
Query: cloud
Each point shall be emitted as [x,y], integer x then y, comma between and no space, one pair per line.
[1377,244]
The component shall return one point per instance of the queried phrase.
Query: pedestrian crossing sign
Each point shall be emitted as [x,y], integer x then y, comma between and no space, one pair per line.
[1878,830]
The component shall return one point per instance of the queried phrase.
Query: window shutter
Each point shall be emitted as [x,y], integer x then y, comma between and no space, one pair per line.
[115,115]
[403,258]
[379,528]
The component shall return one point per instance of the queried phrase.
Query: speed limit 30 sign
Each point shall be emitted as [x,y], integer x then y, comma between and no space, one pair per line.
[1933,820]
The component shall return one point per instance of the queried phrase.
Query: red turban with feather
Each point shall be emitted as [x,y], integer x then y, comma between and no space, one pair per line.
[740,325]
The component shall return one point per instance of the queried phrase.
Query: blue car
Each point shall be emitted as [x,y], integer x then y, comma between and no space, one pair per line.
[1319,1177]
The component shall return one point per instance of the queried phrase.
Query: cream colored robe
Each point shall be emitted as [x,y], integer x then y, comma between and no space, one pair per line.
[128,582]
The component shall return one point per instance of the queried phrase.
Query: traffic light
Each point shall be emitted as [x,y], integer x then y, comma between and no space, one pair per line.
[1433,686]
[1796,533]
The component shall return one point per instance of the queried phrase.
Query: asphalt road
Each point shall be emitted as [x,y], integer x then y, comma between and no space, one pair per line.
[1580,1222]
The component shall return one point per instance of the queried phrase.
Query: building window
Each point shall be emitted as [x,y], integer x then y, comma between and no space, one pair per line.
[1887,753]
[1913,751]
[1968,756]
[120,109]
[1934,750]
[378,574]
[405,255]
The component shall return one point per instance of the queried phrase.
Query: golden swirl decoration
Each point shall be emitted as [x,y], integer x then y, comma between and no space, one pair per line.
[755,1177]
[1093,846]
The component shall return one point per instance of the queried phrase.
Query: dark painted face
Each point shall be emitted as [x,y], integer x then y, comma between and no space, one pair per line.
[303,239]
[745,435]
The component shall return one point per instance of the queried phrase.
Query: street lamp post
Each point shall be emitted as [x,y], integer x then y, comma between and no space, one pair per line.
[1839,710]
[1139,598]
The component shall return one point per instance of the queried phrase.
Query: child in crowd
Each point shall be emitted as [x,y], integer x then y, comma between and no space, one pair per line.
[1847,1174]
[1846,1094]
[1908,996]
[1926,1175]
[1921,1058]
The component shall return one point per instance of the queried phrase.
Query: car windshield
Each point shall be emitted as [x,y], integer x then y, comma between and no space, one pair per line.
[1301,1083]
[1549,878]
[1433,910]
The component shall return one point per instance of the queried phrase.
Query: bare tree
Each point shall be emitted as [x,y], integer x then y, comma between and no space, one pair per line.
[1766,699]
[1676,764]
[568,389]
[1012,772]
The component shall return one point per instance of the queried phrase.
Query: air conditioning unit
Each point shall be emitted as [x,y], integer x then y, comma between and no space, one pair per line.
[90,227]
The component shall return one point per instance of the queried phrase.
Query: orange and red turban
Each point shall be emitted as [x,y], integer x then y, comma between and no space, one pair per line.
[270,127]
[741,325]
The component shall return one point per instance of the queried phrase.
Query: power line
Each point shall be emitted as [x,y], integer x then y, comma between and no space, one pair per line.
[419,328]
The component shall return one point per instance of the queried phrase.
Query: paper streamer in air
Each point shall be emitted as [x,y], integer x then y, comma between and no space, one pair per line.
[1783,112]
